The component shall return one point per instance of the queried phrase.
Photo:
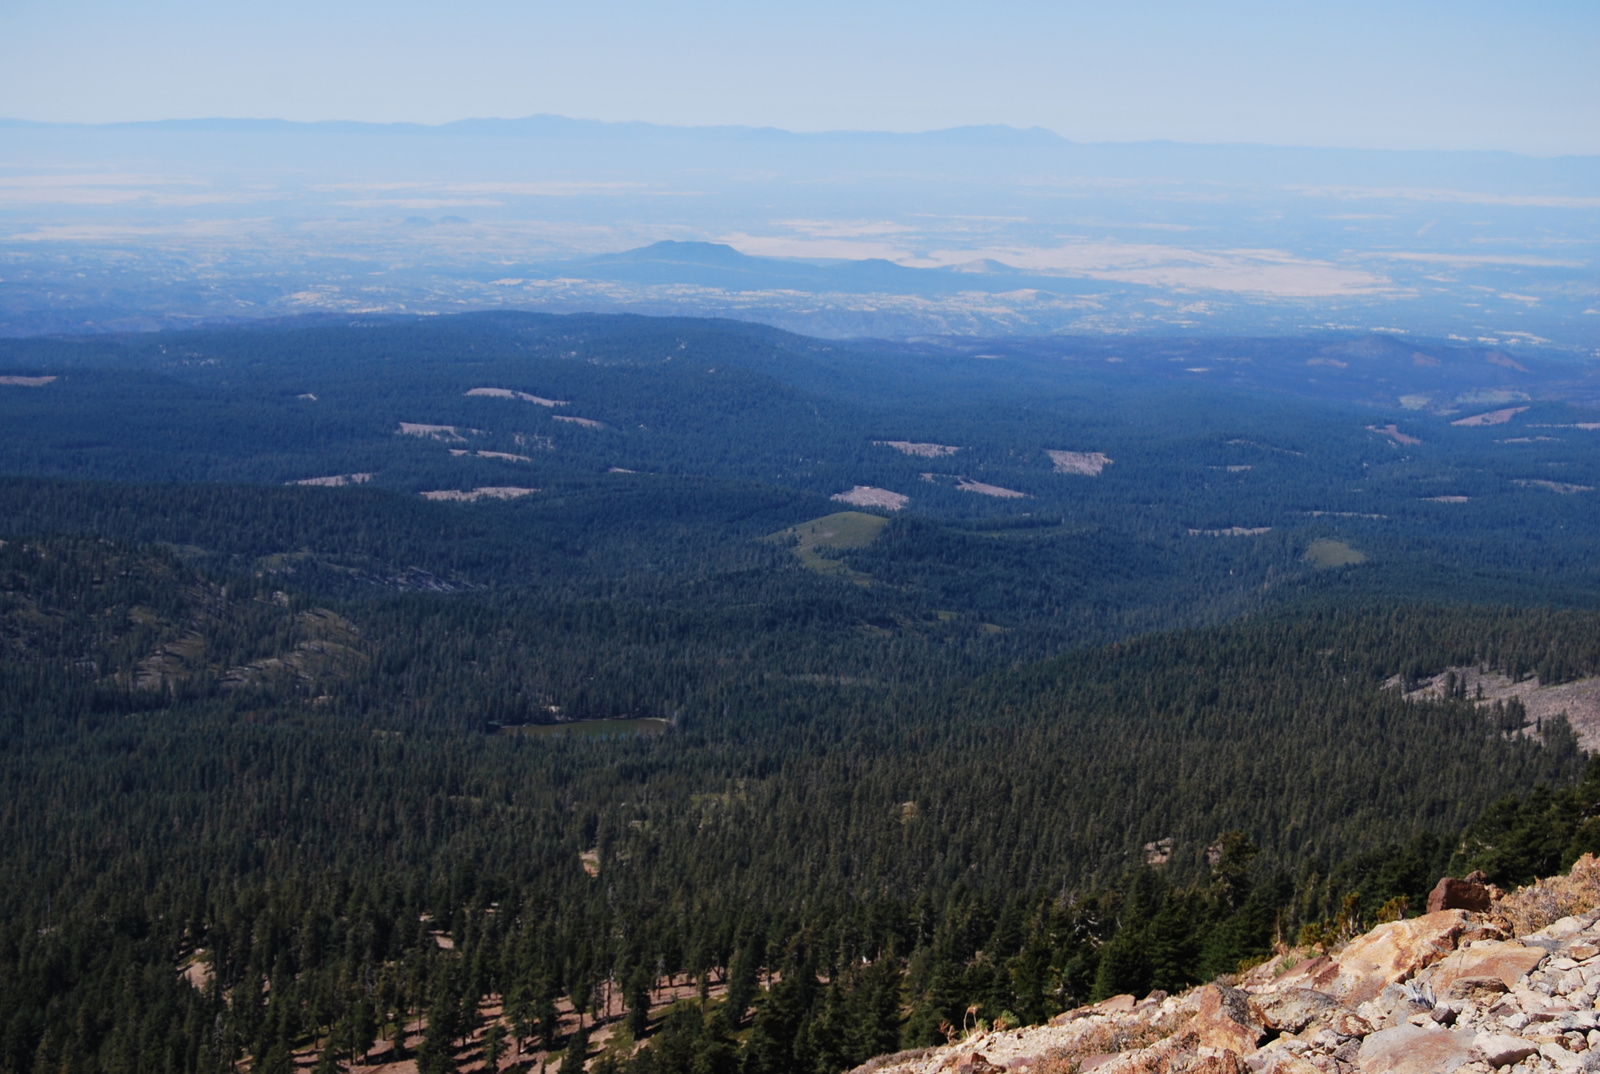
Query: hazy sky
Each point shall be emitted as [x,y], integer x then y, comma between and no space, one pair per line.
[1457,75]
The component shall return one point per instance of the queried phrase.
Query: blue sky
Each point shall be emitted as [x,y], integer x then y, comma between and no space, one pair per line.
[1462,75]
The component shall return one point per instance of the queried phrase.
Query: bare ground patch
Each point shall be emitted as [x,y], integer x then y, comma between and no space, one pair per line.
[587,423]
[507,393]
[1578,701]
[966,484]
[1087,463]
[490,492]
[26,382]
[868,496]
[1392,431]
[503,455]
[1232,531]
[333,481]
[1554,486]
[447,433]
[1493,417]
[921,451]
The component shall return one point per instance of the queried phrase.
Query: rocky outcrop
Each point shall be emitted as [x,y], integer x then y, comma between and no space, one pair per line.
[1452,990]
[1469,894]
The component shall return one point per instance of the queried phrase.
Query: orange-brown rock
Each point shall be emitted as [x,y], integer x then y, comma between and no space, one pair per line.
[1226,1063]
[1225,1020]
[1408,1049]
[1285,1063]
[1289,1010]
[1394,952]
[975,1062]
[1350,1024]
[1453,894]
[1317,973]
[1505,960]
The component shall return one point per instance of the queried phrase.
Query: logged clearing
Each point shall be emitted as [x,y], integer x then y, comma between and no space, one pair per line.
[335,481]
[491,492]
[507,393]
[446,433]
[587,423]
[968,485]
[868,496]
[1493,417]
[1392,431]
[1233,531]
[1554,486]
[1327,553]
[26,382]
[847,529]
[922,451]
[1087,463]
[1578,701]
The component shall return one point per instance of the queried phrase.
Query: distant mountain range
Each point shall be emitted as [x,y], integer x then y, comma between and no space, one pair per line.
[971,231]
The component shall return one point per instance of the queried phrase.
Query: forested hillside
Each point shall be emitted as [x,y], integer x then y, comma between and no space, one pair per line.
[299,774]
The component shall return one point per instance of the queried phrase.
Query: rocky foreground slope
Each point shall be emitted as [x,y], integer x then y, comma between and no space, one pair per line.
[1483,982]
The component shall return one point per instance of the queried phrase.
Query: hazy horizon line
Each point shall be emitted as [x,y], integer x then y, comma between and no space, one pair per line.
[619,126]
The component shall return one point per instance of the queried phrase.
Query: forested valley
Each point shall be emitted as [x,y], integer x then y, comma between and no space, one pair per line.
[624,743]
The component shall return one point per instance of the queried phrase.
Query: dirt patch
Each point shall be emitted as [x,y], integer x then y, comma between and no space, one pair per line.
[921,451]
[505,455]
[1493,417]
[507,393]
[333,482]
[1445,499]
[1087,463]
[587,423]
[590,860]
[868,496]
[1392,431]
[1578,701]
[26,382]
[493,492]
[1233,531]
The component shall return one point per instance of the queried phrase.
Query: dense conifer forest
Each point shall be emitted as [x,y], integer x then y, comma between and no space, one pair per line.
[298,775]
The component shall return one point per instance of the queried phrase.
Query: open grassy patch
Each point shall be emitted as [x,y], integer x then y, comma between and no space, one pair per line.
[845,529]
[1327,553]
